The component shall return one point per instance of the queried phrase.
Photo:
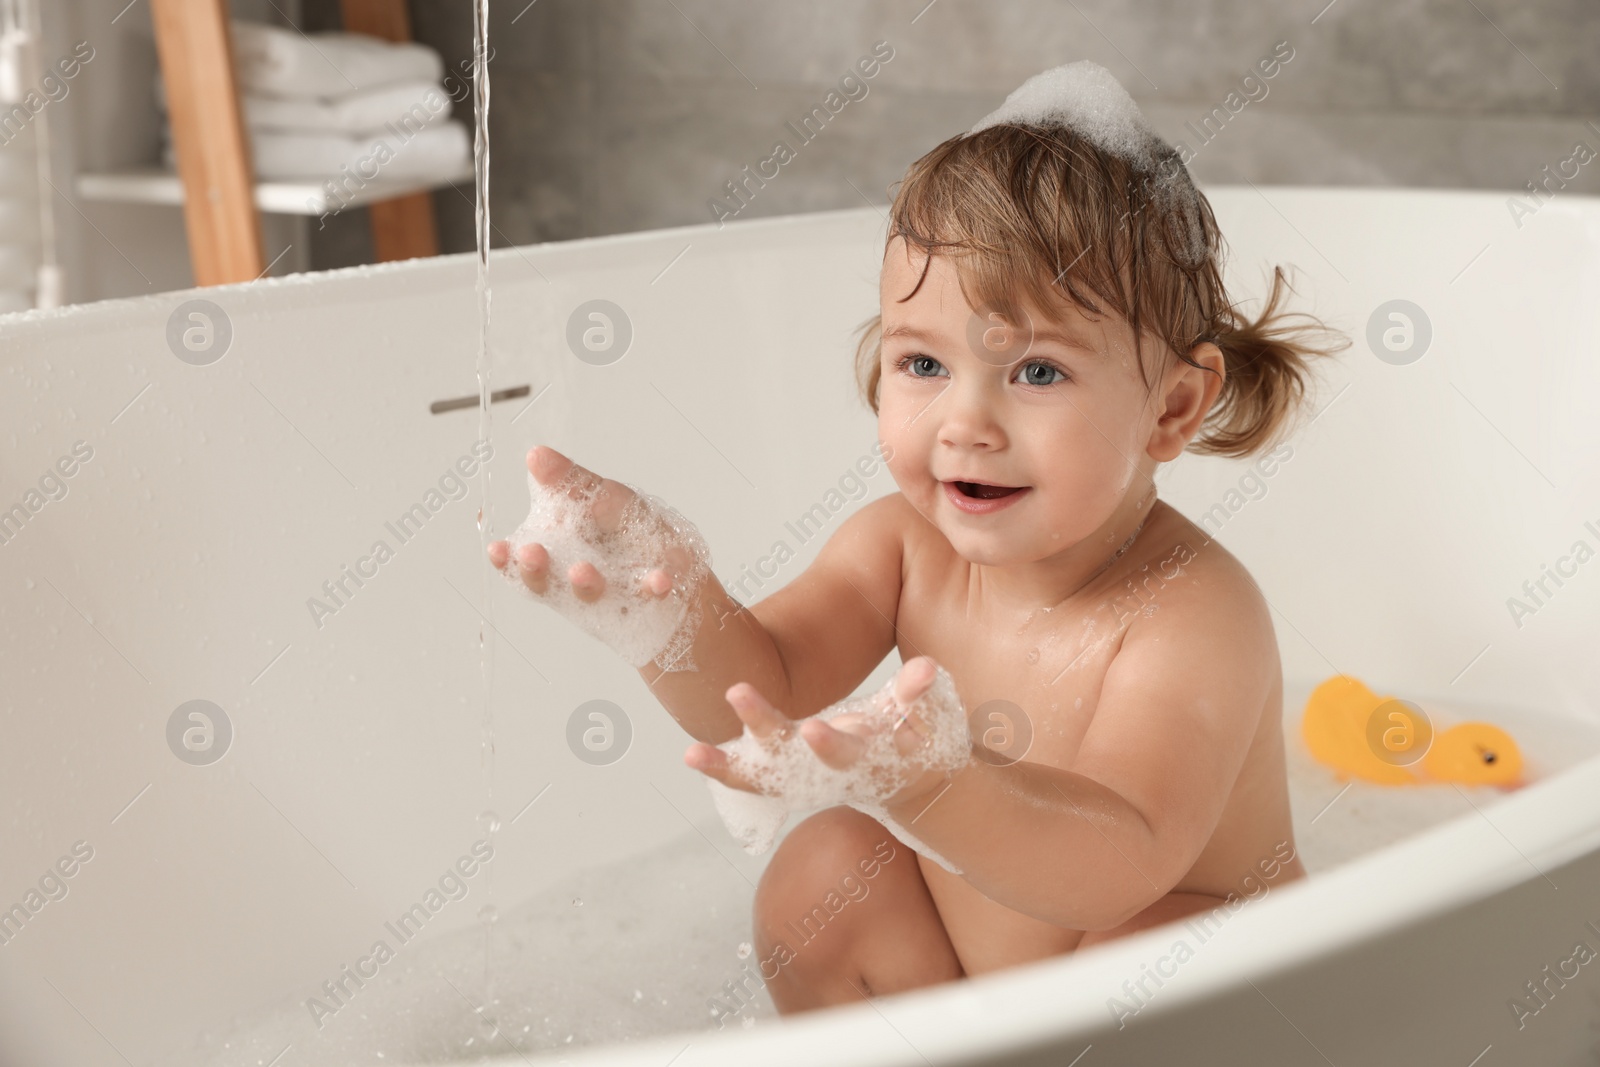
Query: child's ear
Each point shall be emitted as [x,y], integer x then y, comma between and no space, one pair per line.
[1189,394]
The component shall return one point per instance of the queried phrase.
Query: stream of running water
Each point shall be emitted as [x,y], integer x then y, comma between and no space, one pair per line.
[488,820]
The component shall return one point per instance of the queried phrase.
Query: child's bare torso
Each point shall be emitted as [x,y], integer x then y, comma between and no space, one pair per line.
[1051,663]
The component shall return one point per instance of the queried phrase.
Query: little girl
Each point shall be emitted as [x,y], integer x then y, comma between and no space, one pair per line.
[1053,326]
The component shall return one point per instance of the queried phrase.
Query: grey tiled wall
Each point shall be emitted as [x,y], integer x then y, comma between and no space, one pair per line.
[615,115]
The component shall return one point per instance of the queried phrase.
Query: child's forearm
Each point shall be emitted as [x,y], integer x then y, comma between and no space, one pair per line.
[731,645]
[1049,843]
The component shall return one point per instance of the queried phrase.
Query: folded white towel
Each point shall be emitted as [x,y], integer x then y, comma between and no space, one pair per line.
[412,104]
[428,153]
[284,62]
[407,104]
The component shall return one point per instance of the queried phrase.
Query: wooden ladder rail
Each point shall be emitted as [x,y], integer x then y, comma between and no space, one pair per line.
[195,50]
[223,224]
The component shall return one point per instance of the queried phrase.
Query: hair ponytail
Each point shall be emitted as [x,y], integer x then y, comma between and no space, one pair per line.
[1268,364]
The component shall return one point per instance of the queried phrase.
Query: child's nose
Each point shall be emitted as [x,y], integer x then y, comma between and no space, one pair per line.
[970,420]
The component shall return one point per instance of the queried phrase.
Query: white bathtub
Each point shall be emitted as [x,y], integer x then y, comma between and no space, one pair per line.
[220,497]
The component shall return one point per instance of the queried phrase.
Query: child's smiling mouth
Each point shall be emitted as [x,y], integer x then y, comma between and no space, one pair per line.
[982,498]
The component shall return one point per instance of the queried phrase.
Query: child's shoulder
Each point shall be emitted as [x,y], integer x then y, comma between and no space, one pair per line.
[890,516]
[893,522]
[1180,570]
[873,537]
[1195,649]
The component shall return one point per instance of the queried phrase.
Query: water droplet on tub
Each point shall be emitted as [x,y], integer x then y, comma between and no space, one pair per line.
[490,821]
[480,520]
[577,902]
[745,949]
[488,915]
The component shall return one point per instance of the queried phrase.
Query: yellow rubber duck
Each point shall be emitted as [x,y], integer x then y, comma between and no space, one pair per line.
[1359,734]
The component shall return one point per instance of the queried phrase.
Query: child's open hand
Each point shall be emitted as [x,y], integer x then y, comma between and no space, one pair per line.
[618,563]
[893,747]
[605,501]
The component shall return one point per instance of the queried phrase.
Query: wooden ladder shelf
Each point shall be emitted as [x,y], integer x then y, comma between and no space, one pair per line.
[212,146]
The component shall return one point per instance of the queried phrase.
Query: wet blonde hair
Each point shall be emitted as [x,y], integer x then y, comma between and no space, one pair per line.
[1042,211]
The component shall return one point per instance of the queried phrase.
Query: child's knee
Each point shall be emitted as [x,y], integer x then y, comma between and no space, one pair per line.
[822,856]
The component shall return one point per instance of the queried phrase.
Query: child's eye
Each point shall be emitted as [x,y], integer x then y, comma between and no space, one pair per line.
[1039,374]
[1034,373]
[921,366]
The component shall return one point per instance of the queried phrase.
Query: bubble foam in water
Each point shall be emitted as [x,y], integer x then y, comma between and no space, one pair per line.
[639,627]
[792,779]
[1088,99]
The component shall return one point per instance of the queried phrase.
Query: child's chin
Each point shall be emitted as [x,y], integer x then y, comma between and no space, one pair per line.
[985,551]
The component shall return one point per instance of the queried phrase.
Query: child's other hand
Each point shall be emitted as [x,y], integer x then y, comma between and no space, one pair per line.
[838,742]
[611,498]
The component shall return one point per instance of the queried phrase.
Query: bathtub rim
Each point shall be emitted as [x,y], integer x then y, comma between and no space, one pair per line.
[25,323]
[1428,874]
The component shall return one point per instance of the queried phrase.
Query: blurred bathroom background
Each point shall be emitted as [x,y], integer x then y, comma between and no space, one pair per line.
[619,115]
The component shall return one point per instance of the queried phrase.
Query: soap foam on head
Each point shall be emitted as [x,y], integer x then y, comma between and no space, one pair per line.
[792,779]
[638,627]
[1087,98]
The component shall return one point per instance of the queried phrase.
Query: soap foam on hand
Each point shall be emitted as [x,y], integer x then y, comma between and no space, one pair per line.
[639,627]
[792,779]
